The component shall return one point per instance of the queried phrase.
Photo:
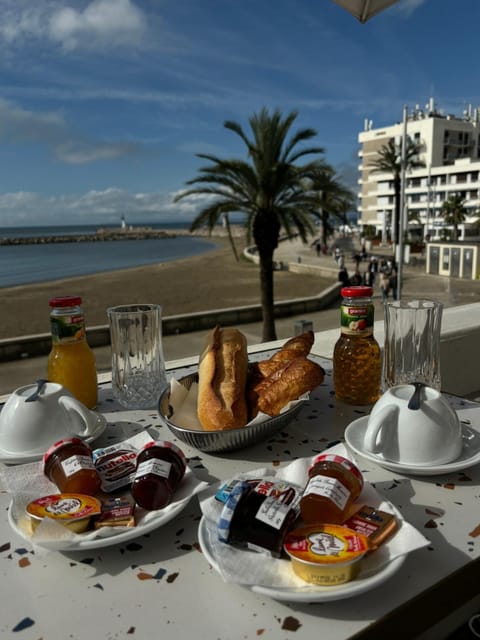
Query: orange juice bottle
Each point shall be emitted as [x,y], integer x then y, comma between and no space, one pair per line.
[71,362]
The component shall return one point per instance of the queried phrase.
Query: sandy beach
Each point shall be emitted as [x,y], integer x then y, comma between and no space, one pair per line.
[212,280]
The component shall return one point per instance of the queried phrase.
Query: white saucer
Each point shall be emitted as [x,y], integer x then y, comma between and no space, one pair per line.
[470,455]
[8,457]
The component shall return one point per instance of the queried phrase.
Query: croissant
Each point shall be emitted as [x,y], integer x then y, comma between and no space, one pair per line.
[287,383]
[293,348]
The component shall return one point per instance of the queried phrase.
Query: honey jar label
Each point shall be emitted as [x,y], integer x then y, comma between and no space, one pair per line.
[357,320]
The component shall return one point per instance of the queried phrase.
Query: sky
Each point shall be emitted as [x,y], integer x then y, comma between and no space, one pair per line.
[104,104]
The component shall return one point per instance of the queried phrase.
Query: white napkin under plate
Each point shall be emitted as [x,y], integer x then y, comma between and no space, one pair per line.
[27,482]
[250,568]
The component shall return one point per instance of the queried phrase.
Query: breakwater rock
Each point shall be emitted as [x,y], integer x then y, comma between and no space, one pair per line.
[102,235]
[131,233]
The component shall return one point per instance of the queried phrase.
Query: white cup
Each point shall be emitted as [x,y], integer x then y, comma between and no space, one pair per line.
[414,425]
[32,426]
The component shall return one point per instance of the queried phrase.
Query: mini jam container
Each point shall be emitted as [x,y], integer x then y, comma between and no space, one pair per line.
[69,465]
[257,515]
[326,555]
[160,468]
[72,510]
[334,483]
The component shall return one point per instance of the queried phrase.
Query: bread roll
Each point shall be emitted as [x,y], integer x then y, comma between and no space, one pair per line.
[222,379]
[287,383]
[293,348]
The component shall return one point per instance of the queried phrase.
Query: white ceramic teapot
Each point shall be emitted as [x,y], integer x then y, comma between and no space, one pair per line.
[37,415]
[414,424]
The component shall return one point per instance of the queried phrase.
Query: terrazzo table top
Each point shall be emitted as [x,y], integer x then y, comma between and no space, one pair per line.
[161,585]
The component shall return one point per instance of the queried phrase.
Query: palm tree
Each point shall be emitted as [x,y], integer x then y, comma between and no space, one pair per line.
[271,190]
[389,161]
[334,200]
[454,212]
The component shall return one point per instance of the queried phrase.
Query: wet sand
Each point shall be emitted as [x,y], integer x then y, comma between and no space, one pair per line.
[213,280]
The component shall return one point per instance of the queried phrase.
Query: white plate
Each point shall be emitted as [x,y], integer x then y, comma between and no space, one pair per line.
[470,455]
[159,519]
[309,593]
[20,458]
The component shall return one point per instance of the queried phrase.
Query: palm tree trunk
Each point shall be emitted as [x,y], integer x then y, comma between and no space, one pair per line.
[266,230]
[230,237]
[267,296]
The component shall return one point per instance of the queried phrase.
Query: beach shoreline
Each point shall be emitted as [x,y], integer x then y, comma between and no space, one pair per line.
[211,280]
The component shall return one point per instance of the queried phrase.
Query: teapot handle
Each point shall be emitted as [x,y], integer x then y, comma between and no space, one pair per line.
[375,423]
[81,417]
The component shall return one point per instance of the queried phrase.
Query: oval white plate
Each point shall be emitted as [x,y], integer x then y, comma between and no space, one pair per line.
[309,593]
[355,436]
[20,458]
[125,535]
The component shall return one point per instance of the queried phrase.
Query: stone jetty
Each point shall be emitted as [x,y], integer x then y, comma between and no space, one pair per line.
[128,233]
[101,235]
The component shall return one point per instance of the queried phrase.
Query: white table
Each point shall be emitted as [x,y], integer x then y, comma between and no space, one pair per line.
[160,585]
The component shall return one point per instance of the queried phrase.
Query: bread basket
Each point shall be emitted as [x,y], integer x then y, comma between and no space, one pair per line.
[223,441]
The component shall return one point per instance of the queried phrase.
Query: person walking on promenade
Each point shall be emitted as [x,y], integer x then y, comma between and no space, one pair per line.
[384,284]
[393,281]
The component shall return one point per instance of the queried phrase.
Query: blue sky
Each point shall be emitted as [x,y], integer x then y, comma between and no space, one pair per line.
[104,103]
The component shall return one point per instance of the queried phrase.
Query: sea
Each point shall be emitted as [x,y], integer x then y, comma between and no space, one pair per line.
[30,263]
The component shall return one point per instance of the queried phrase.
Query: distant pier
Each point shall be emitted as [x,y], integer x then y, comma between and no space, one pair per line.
[101,235]
[127,233]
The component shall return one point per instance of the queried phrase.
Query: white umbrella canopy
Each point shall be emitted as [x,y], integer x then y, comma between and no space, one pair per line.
[363,10]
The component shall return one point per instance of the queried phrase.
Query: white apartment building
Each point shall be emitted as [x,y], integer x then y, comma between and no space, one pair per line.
[450,150]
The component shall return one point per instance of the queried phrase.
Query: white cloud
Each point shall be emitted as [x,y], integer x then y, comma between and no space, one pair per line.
[20,126]
[101,24]
[111,22]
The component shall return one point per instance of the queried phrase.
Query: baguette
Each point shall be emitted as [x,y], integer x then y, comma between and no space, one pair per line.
[222,379]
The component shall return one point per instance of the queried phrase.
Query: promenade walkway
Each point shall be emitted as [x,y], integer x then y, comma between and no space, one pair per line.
[416,283]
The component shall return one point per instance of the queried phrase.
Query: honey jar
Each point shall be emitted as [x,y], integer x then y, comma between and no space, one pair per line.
[69,465]
[334,483]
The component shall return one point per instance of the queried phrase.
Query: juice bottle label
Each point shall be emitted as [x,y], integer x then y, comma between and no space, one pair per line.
[357,320]
[67,329]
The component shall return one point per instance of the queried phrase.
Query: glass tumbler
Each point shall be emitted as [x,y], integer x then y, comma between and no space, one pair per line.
[412,343]
[138,367]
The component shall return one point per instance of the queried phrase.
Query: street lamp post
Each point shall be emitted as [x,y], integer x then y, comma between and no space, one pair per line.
[401,225]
